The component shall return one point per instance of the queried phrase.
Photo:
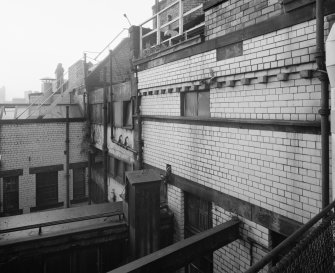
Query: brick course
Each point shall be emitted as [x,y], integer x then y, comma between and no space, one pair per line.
[23,146]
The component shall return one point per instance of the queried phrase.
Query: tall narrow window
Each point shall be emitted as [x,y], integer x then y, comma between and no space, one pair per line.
[195,104]
[46,189]
[78,183]
[10,195]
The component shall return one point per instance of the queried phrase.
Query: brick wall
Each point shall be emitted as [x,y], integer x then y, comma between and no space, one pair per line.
[23,146]
[233,15]
[236,257]
[278,171]
[289,50]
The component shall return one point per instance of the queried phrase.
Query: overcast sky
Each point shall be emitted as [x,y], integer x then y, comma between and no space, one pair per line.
[36,35]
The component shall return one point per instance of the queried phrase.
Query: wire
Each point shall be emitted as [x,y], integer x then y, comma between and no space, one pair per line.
[110,42]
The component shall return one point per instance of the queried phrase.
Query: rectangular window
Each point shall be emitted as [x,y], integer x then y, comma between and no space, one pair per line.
[117,169]
[46,189]
[78,183]
[97,113]
[118,114]
[10,195]
[127,113]
[123,114]
[195,104]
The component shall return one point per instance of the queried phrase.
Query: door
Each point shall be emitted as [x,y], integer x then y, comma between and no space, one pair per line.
[11,194]
[198,218]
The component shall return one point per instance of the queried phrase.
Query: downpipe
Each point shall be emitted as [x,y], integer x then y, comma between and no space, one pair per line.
[324,111]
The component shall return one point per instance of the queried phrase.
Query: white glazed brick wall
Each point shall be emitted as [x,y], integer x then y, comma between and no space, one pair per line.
[176,205]
[23,146]
[276,170]
[161,104]
[295,99]
[235,257]
[290,46]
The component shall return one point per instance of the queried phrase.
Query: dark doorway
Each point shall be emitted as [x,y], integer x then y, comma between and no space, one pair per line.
[198,218]
[46,189]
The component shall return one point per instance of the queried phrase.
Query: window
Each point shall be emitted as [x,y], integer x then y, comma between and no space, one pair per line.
[117,169]
[195,104]
[96,113]
[123,114]
[78,183]
[46,189]
[10,195]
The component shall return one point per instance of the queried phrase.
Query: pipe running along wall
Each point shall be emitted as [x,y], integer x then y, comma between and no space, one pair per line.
[324,111]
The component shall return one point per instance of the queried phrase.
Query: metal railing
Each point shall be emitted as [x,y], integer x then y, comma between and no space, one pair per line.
[156,32]
[311,248]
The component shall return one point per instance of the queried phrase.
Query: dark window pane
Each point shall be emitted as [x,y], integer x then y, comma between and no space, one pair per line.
[190,104]
[112,166]
[128,113]
[78,183]
[46,189]
[11,194]
[119,170]
[203,104]
[118,114]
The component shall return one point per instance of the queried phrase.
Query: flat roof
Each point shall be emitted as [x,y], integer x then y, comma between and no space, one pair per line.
[55,222]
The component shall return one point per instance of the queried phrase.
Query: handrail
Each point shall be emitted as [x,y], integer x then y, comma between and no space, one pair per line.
[291,240]
[40,98]
[33,103]
[66,221]
[42,103]
[158,28]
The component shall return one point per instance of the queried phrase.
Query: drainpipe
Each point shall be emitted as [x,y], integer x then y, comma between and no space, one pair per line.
[88,123]
[111,93]
[139,125]
[67,141]
[324,111]
[104,146]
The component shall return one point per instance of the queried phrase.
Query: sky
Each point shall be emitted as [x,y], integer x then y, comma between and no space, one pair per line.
[36,35]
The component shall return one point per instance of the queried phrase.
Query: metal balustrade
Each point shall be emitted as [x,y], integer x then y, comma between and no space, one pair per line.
[154,37]
[311,248]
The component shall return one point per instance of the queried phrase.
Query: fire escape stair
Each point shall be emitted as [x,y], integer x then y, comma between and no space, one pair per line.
[52,106]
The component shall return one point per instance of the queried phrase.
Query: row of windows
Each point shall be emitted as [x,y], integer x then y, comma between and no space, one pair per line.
[46,190]
[192,104]
[122,116]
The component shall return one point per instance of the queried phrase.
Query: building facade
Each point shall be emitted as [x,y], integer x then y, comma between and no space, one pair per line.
[235,115]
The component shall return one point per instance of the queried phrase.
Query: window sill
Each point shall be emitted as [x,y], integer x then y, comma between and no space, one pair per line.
[11,213]
[51,206]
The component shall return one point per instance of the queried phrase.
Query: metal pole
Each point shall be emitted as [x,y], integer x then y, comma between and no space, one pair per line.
[88,124]
[67,141]
[324,111]
[111,93]
[104,146]
[139,140]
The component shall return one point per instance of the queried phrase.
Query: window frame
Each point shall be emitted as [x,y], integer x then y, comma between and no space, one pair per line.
[120,119]
[115,165]
[183,102]
[7,193]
